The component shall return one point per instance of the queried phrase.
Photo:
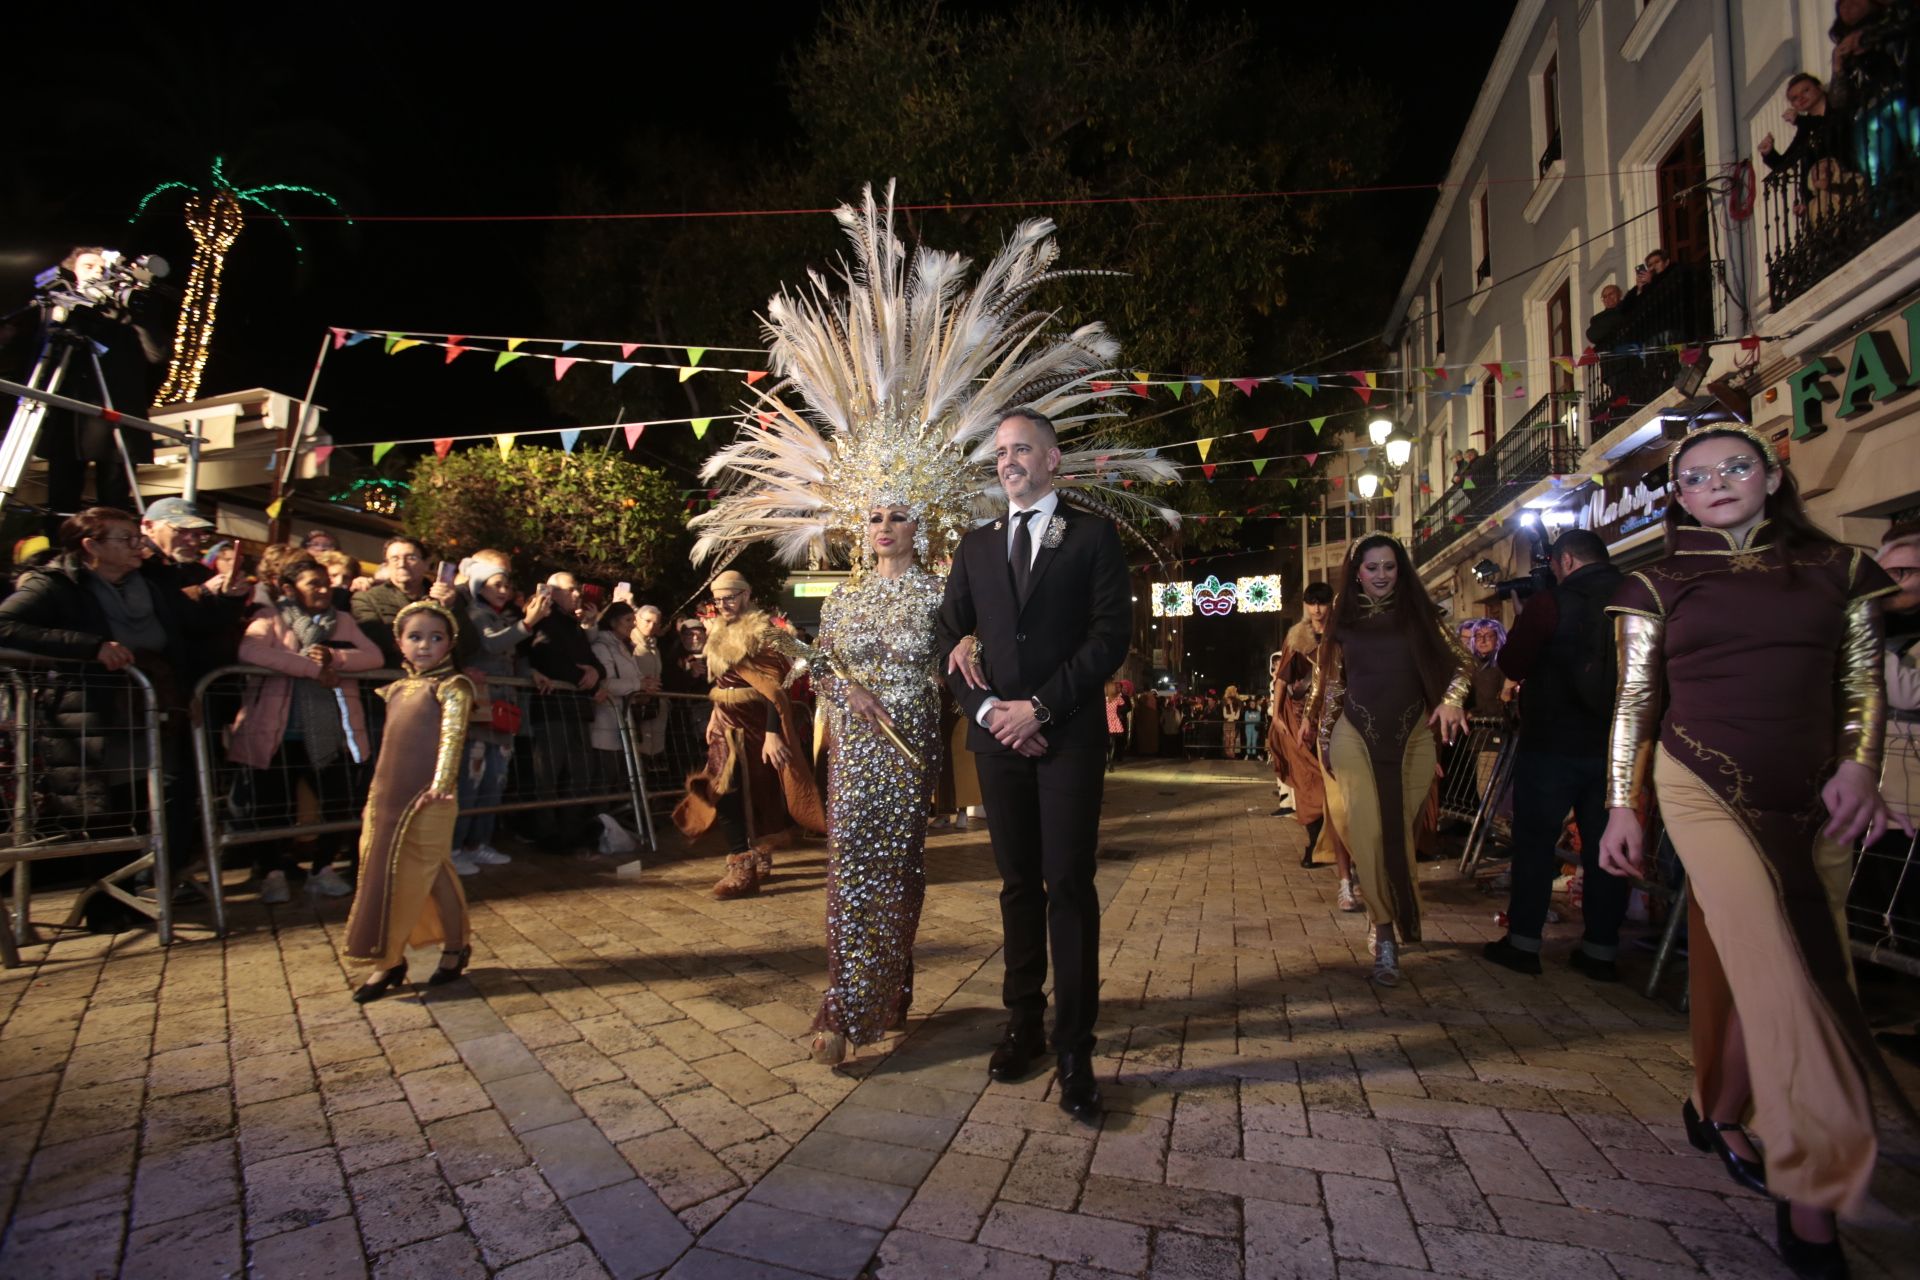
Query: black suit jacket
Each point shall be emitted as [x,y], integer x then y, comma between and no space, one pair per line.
[1060,646]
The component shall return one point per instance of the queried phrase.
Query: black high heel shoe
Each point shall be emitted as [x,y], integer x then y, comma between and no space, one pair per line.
[1706,1135]
[443,975]
[369,991]
[1808,1260]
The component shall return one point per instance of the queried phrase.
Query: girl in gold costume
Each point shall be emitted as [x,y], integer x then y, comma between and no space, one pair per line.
[408,893]
[1388,670]
[878,630]
[1750,663]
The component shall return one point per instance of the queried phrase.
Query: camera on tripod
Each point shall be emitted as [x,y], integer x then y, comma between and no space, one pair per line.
[117,280]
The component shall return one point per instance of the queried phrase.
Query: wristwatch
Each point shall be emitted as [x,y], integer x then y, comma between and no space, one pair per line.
[1040,712]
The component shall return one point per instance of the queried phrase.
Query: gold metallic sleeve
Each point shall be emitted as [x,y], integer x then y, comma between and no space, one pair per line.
[1863,684]
[456,704]
[1636,707]
[1461,686]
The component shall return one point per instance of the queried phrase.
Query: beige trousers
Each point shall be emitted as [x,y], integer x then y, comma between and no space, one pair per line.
[1810,1106]
[1383,859]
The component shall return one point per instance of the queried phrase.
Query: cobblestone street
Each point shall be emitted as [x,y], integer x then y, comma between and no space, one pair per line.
[622,1089]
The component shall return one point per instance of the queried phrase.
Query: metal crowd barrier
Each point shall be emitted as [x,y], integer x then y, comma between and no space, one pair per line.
[553,769]
[1883,900]
[1478,783]
[84,773]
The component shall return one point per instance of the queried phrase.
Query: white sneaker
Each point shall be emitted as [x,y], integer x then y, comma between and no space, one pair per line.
[1350,897]
[327,883]
[464,864]
[1386,960]
[487,856]
[274,890]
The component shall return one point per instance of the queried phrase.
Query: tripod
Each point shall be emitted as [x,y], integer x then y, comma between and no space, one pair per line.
[49,371]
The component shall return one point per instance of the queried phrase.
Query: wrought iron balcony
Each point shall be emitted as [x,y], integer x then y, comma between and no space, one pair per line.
[1633,360]
[1817,215]
[1546,442]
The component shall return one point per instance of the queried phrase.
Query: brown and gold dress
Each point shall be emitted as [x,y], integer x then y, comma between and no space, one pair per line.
[1371,702]
[408,893]
[880,634]
[1768,663]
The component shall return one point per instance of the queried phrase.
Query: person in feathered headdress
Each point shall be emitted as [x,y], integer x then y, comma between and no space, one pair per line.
[875,447]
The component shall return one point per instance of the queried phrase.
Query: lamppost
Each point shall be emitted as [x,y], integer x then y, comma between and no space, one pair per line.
[1398,450]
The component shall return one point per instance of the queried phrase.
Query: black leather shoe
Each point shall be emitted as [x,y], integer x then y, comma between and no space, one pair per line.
[1013,1058]
[1809,1261]
[1706,1135]
[1595,968]
[1079,1095]
[1502,952]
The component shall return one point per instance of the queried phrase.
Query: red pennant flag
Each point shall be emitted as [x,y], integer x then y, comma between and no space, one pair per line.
[1140,389]
[455,351]
[1362,388]
[442,447]
[1260,433]
[1246,385]
[1101,386]
[1336,481]
[1312,458]
[1126,484]
[628,348]
[456,339]
[1207,469]
[339,337]
[1692,355]
[321,452]
[633,430]
[561,364]
[755,376]
[1750,343]
[1498,374]
[1587,357]
[766,419]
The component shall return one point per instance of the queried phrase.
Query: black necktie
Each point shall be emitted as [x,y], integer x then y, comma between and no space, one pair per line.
[1022,559]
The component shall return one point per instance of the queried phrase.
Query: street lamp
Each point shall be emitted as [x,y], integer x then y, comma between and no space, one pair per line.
[1367,483]
[1399,449]
[1380,429]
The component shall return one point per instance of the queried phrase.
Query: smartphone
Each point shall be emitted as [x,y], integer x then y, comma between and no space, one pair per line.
[544,589]
[448,570]
[622,591]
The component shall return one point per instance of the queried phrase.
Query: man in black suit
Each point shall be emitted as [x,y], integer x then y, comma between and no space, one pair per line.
[1036,619]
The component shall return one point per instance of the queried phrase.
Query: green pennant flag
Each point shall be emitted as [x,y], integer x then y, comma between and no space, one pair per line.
[1466,484]
[391,339]
[1293,481]
[380,451]
[1175,388]
[700,426]
[506,358]
[1259,466]
[1316,424]
[694,354]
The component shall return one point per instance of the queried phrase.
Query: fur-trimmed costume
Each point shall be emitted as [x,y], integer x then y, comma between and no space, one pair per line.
[749,669]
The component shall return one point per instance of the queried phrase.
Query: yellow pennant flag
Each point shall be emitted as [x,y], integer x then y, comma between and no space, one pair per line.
[700,426]
[505,443]
[1204,446]
[401,345]
[273,508]
[513,344]
[1211,384]
[687,372]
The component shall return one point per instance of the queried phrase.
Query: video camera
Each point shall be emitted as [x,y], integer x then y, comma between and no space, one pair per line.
[121,277]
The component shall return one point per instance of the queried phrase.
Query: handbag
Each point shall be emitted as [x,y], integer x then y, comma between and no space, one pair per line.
[506,716]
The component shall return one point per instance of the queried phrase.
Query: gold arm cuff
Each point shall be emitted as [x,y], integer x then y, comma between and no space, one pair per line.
[456,704]
[1461,686]
[1636,707]
[1863,684]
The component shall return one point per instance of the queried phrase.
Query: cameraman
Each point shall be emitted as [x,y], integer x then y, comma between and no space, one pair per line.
[1561,650]
[107,308]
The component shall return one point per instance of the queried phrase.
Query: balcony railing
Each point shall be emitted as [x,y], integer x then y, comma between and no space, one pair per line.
[1543,443]
[1821,213]
[1633,347]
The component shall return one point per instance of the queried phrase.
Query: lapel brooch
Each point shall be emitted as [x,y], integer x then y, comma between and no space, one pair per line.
[1056,532]
[998,525]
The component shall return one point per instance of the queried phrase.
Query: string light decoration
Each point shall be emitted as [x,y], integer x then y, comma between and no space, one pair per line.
[379,495]
[1173,599]
[215,217]
[1258,593]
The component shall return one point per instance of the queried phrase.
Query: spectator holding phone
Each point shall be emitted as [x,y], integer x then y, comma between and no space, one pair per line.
[498,627]
[303,723]
[408,581]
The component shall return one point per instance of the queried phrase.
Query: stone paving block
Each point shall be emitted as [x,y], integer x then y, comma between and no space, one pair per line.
[187,1118]
[531,1101]
[75,1173]
[1694,1170]
[1676,1205]
[201,1244]
[1607,1232]
[578,1065]
[621,1110]
[1179,1256]
[105,1063]
[831,1195]
[541,1028]
[1557,1143]
[374,1137]
[283,1127]
[791,1116]
[496,1056]
[886,1093]
[1065,1237]
[1370,1221]
[328,1251]
[465,1019]
[904,1129]
[515,1216]
[475,1146]
[202,1066]
[1131,1146]
[1243,1178]
[364,1082]
[1319,1154]
[1439,1191]
[1452,1115]
[573,1262]
[659,1072]
[68,1242]
[263,1078]
[631,1231]
[1185,1208]
[799,1240]
[864,1158]
[1049,1170]
[705,1264]
[575,1158]
[183,1181]
[453,1256]
[87,1110]
[681,1171]
[954,1198]
[402,1204]
[291,1192]
[907,1254]
[1493,1257]
[688,1041]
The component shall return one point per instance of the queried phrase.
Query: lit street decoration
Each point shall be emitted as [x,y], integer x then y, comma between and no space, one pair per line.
[1259,593]
[1173,599]
[1214,598]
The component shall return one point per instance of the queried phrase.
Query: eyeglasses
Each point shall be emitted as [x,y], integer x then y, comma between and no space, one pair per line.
[1733,470]
[1901,572]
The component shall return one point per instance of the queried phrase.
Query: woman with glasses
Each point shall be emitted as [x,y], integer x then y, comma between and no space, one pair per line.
[1749,663]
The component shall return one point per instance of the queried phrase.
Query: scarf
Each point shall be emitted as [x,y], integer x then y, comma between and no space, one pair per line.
[321,717]
[130,612]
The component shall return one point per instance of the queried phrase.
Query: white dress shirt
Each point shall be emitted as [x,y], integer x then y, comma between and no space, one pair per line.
[1036,526]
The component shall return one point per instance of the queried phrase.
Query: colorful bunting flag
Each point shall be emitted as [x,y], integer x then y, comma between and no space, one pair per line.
[505,443]
[693,356]
[275,507]
[1203,446]
[633,430]
[1259,466]
[1246,385]
[394,348]
[339,337]
[321,452]
[628,348]
[1212,385]
[1311,458]
[380,451]
[513,344]
[569,438]
[700,426]
[1097,387]
[443,446]
[506,358]
[755,376]
[1175,388]
[621,370]
[1207,469]
[455,351]
[1260,433]
[1316,424]
[1587,357]
[687,372]
[561,364]
[568,346]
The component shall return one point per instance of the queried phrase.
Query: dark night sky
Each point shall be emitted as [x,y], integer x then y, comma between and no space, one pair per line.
[466,114]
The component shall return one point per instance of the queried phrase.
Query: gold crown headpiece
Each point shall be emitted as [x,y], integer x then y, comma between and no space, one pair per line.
[1760,442]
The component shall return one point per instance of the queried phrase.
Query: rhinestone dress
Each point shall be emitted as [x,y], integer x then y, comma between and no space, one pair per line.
[880,633]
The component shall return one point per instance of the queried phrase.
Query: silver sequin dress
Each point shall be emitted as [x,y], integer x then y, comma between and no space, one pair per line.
[880,632]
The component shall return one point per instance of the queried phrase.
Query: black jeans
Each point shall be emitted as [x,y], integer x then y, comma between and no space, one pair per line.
[1545,787]
[337,796]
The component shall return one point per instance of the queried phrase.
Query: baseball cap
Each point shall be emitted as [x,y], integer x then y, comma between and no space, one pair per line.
[177,512]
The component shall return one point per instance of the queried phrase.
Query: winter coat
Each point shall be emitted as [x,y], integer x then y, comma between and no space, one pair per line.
[622,680]
[497,637]
[262,723]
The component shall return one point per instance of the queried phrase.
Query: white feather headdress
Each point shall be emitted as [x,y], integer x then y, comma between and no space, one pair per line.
[891,381]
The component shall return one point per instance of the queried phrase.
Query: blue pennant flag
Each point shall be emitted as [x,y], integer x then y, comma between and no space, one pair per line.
[569,438]
[568,346]
[355,339]
[621,370]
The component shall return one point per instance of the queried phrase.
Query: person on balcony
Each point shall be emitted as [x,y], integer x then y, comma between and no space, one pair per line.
[1814,133]
[1872,86]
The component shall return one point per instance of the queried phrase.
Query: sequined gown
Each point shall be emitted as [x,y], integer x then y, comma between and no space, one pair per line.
[880,633]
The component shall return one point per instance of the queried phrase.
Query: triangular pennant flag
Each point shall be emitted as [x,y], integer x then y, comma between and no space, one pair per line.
[354,339]
[513,344]
[561,364]
[1203,446]
[1494,371]
[1259,433]
[694,354]
[1246,385]
[1207,469]
[1510,370]
[1467,483]
[621,370]
[1098,387]
[568,346]
[687,373]
[1316,424]
[1563,362]
[633,430]
[700,426]
[395,348]
[505,443]
[569,438]
[506,358]
[1598,478]
[1193,385]
[1293,482]
[321,452]
[380,451]
[1212,385]
[1141,375]
[628,348]
[1335,480]
[274,508]
[755,375]
[1587,357]
[1175,388]
[443,446]
[455,351]
[1692,355]
[1139,388]
[1308,382]
[339,337]
[391,339]
[1259,466]
[1285,380]
[1311,458]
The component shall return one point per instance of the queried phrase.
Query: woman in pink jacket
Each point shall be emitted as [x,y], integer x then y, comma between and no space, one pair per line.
[305,723]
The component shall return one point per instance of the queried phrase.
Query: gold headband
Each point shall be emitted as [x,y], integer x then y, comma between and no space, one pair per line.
[1746,433]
